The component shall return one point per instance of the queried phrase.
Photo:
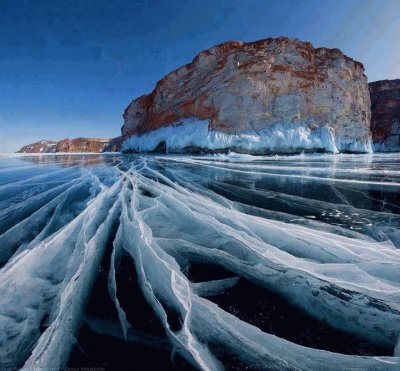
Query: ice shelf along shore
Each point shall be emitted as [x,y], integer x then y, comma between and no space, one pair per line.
[200,262]
[278,138]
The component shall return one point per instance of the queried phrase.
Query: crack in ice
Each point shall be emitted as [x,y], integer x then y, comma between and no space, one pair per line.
[167,213]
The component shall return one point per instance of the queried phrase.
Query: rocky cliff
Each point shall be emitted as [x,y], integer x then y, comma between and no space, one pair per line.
[82,145]
[273,95]
[113,145]
[94,145]
[385,120]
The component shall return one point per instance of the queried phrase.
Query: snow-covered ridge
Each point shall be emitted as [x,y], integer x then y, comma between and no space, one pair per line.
[279,138]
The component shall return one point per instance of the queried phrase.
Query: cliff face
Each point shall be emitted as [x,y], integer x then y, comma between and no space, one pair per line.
[273,95]
[385,120]
[113,145]
[43,146]
[81,145]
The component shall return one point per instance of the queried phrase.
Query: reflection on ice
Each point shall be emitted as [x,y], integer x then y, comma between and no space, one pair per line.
[223,261]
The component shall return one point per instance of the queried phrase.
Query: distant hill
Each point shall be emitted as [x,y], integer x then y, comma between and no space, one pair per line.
[81,145]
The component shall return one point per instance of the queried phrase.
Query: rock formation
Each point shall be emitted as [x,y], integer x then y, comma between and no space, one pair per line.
[43,146]
[113,145]
[82,145]
[385,119]
[94,145]
[268,96]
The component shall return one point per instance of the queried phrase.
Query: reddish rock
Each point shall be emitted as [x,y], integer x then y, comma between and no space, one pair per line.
[385,119]
[81,145]
[240,88]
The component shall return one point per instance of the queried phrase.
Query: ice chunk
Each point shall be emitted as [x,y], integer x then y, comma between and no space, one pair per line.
[286,137]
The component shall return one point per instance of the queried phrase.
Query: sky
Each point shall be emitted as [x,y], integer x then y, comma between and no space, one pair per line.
[68,68]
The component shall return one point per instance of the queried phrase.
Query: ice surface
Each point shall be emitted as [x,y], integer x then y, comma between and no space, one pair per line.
[321,232]
[288,137]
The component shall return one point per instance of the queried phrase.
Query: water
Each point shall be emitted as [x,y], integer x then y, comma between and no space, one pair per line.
[211,262]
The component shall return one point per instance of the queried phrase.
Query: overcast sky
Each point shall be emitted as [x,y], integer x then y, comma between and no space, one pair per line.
[69,68]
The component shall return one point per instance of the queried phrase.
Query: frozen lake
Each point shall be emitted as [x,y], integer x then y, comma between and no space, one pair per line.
[208,262]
